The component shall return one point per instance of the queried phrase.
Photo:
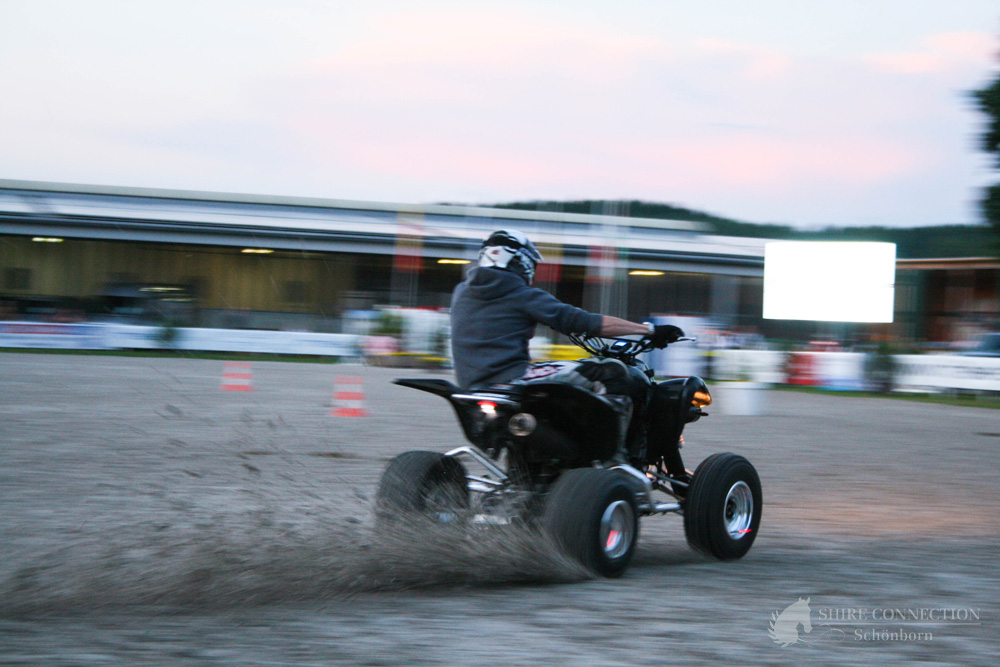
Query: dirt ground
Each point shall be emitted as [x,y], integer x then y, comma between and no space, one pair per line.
[148,517]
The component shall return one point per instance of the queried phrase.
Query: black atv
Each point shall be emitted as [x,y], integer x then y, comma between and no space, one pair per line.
[561,450]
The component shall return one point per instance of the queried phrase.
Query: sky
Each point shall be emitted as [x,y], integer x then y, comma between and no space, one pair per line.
[801,112]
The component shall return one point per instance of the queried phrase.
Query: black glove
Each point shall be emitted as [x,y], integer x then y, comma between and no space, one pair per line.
[665,334]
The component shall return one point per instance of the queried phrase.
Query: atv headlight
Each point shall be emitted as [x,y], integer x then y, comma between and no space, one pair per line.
[701,399]
[694,397]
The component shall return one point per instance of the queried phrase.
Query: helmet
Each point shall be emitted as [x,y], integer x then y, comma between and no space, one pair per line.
[510,250]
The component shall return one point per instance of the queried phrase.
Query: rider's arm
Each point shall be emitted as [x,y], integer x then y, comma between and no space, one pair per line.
[540,306]
[545,308]
[616,326]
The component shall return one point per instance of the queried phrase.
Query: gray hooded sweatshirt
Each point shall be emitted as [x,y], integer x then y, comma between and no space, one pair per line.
[493,316]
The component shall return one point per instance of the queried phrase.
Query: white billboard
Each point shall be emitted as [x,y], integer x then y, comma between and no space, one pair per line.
[829,281]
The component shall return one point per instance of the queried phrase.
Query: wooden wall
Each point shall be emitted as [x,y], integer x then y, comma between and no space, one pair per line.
[224,277]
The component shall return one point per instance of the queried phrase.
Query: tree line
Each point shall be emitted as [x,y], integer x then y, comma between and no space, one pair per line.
[911,242]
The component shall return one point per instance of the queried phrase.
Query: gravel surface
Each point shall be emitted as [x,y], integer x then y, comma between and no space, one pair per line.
[147,517]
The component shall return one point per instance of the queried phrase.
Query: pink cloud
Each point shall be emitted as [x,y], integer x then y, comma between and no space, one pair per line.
[706,163]
[941,52]
[484,103]
[777,164]
[975,47]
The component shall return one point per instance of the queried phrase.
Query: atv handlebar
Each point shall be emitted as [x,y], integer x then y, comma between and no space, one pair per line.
[624,349]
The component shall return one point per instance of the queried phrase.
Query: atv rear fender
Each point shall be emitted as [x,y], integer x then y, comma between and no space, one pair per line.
[464,410]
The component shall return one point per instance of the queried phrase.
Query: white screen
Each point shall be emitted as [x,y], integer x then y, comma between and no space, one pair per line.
[829,281]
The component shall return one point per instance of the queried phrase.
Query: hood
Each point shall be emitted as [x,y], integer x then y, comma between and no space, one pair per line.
[489,283]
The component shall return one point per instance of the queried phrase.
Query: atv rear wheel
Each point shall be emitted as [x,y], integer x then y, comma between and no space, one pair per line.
[422,484]
[592,515]
[723,506]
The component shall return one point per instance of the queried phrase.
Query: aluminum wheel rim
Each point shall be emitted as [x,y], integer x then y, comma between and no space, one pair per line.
[617,529]
[738,510]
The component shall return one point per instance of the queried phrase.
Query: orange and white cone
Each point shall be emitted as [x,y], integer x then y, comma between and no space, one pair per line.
[237,376]
[348,397]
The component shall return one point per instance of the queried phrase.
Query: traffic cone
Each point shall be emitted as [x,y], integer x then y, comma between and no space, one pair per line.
[348,397]
[237,376]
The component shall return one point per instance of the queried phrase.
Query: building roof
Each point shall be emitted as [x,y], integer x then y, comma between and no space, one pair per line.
[330,225]
[950,263]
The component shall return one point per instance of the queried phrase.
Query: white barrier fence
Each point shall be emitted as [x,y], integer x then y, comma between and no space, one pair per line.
[846,370]
[110,336]
[934,371]
[56,336]
[829,370]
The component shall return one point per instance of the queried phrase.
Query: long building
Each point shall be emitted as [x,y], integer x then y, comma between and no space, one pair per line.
[286,262]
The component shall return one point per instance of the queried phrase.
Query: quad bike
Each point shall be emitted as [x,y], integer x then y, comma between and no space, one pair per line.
[582,465]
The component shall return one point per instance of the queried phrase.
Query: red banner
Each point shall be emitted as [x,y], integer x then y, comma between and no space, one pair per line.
[602,264]
[409,245]
[550,270]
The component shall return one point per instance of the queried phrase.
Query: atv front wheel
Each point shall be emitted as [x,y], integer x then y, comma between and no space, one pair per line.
[422,484]
[722,507]
[592,515]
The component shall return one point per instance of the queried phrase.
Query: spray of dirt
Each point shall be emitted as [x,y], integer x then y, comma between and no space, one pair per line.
[241,522]
[233,559]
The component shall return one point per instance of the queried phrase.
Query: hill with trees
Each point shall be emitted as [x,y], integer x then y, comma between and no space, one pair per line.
[911,242]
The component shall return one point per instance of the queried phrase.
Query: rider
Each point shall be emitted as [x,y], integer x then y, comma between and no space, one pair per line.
[493,316]
[495,310]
